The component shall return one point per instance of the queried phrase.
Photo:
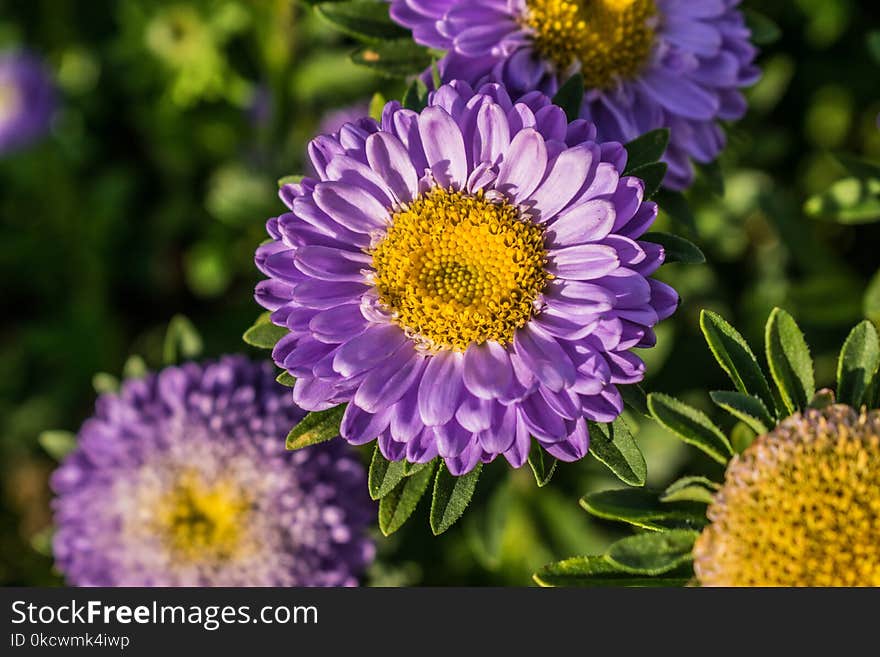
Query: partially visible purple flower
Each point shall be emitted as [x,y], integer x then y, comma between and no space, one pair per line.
[647,64]
[182,479]
[27,99]
[333,120]
[465,278]
[259,110]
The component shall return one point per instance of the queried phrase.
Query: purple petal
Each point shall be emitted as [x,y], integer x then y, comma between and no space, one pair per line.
[368,349]
[351,207]
[388,158]
[487,372]
[444,147]
[583,262]
[523,165]
[541,353]
[441,388]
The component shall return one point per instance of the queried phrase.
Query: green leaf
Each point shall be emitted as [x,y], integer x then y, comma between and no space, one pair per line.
[691,425]
[363,19]
[543,465]
[135,367]
[396,507]
[635,398]
[570,97]
[653,553]
[741,436]
[412,468]
[286,379]
[316,427]
[398,59]
[41,542]
[747,408]
[57,444]
[849,201]
[712,177]
[652,175]
[677,207]
[182,341]
[647,149]
[599,572]
[614,446]
[677,249]
[764,30]
[436,78]
[451,497]
[290,180]
[377,106]
[790,363]
[690,489]
[872,299]
[384,475]
[264,334]
[735,357]
[103,383]
[643,508]
[858,363]
[416,96]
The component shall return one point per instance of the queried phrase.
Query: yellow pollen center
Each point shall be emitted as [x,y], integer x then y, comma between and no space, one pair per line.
[611,39]
[202,521]
[457,268]
[800,507]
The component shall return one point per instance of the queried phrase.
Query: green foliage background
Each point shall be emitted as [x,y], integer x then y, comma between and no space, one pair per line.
[150,195]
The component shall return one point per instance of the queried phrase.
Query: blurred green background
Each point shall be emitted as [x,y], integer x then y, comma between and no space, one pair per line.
[151,192]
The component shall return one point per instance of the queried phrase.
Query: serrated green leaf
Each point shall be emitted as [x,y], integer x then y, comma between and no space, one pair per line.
[789,359]
[264,334]
[377,106]
[103,383]
[677,249]
[57,444]
[652,175]
[384,475]
[396,507]
[691,425]
[570,97]
[676,206]
[747,408]
[647,149]
[690,489]
[398,59]
[595,571]
[290,180]
[614,446]
[653,553]
[857,365]
[542,464]
[764,30]
[412,468]
[735,357]
[286,379]
[363,19]
[182,341]
[741,436]
[316,427]
[451,497]
[642,508]
[635,398]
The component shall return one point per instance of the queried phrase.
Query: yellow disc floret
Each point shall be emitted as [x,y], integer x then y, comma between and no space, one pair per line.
[800,507]
[457,268]
[612,39]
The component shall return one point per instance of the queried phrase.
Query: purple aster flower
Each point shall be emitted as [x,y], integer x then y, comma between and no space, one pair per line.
[465,278]
[27,100]
[182,479]
[646,64]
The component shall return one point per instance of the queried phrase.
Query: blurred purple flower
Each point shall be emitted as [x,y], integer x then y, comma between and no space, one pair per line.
[647,63]
[333,121]
[27,99]
[465,278]
[182,479]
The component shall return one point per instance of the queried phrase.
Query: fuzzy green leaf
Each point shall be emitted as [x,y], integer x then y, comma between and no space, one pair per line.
[285,379]
[690,489]
[735,357]
[316,427]
[290,180]
[647,149]
[858,363]
[384,475]
[635,398]
[643,508]
[570,96]
[363,19]
[741,436]
[614,446]
[451,497]
[653,553]
[596,571]
[790,363]
[57,444]
[543,465]
[264,334]
[677,249]
[399,58]
[396,507]
[691,425]
[652,175]
[747,408]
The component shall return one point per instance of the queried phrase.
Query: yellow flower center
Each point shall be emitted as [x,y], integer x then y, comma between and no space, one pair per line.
[203,521]
[611,39]
[457,268]
[800,507]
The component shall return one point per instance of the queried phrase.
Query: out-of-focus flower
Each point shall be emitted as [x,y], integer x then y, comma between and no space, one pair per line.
[800,507]
[27,99]
[465,277]
[646,63]
[332,122]
[182,479]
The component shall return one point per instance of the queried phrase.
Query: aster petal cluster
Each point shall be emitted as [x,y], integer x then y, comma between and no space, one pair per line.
[27,99]
[181,479]
[647,64]
[465,278]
